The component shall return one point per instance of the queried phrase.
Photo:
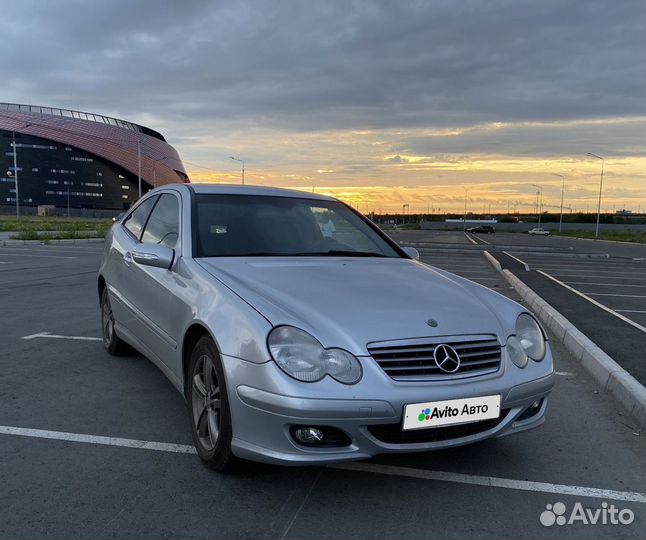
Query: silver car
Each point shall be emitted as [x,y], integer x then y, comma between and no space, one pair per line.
[299,333]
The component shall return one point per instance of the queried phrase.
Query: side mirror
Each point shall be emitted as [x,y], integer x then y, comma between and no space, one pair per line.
[411,252]
[157,255]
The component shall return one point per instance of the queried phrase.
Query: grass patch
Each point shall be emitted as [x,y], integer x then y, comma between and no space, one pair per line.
[57,235]
[56,224]
[408,227]
[637,237]
[54,228]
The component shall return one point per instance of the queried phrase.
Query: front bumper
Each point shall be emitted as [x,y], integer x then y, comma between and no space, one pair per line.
[265,403]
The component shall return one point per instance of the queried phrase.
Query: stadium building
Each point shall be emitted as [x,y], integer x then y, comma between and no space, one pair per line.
[79,160]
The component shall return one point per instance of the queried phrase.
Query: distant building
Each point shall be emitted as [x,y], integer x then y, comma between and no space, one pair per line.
[91,156]
[623,212]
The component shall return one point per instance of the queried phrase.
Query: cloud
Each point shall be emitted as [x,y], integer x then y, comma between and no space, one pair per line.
[370,91]
[335,64]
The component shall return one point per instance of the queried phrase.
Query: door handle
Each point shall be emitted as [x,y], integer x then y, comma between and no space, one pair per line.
[127,258]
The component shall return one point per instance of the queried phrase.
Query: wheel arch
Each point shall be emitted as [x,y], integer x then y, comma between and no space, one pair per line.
[101,286]
[192,335]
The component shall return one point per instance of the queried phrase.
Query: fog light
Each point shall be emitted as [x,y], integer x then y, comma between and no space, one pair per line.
[530,411]
[308,435]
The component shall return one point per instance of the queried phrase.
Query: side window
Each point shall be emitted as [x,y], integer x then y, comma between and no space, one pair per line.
[163,224]
[135,222]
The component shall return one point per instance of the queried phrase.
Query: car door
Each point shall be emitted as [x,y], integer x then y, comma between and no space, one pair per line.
[156,292]
[125,238]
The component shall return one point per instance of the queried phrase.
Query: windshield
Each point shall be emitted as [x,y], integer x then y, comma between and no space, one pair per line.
[249,225]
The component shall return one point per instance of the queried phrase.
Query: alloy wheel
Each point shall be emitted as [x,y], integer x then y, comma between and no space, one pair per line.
[206,402]
[107,320]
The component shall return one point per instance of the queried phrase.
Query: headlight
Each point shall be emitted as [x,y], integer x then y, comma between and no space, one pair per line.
[531,336]
[300,355]
[527,342]
[516,352]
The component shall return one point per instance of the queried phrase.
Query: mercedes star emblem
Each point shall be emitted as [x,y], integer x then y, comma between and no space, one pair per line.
[446,358]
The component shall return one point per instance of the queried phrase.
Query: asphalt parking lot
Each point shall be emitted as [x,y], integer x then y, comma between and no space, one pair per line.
[96,446]
[624,250]
[617,284]
[599,286]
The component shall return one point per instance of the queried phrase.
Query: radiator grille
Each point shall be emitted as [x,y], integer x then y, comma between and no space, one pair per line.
[414,360]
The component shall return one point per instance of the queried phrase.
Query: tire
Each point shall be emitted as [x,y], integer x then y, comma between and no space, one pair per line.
[111,342]
[208,408]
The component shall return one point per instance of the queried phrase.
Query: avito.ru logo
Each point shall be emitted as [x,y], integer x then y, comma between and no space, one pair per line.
[606,515]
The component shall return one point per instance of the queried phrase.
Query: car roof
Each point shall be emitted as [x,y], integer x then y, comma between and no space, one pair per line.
[263,191]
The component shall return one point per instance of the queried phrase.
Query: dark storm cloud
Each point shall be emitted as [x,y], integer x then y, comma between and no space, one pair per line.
[316,65]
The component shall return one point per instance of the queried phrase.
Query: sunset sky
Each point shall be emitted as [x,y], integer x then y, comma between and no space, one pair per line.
[379,103]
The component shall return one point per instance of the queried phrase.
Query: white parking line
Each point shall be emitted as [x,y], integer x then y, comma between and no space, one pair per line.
[56,336]
[97,439]
[575,265]
[577,274]
[486,242]
[614,294]
[593,301]
[611,273]
[422,474]
[602,284]
[492,481]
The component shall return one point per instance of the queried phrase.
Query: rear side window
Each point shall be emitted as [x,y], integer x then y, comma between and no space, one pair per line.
[135,222]
[163,223]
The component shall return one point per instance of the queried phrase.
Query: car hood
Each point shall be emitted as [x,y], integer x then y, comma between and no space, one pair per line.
[349,302]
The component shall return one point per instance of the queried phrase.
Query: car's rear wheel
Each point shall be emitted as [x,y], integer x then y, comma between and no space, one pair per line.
[112,343]
[208,407]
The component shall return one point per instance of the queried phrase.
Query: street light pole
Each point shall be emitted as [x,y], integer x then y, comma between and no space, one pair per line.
[539,203]
[596,232]
[15,174]
[562,190]
[464,221]
[241,161]
[139,165]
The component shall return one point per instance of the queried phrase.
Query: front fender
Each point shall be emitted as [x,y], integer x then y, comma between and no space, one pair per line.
[236,327]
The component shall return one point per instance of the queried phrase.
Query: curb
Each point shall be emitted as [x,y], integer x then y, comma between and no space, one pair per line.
[6,243]
[494,262]
[612,378]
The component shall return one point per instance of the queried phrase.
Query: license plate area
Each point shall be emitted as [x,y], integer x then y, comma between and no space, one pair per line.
[450,412]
